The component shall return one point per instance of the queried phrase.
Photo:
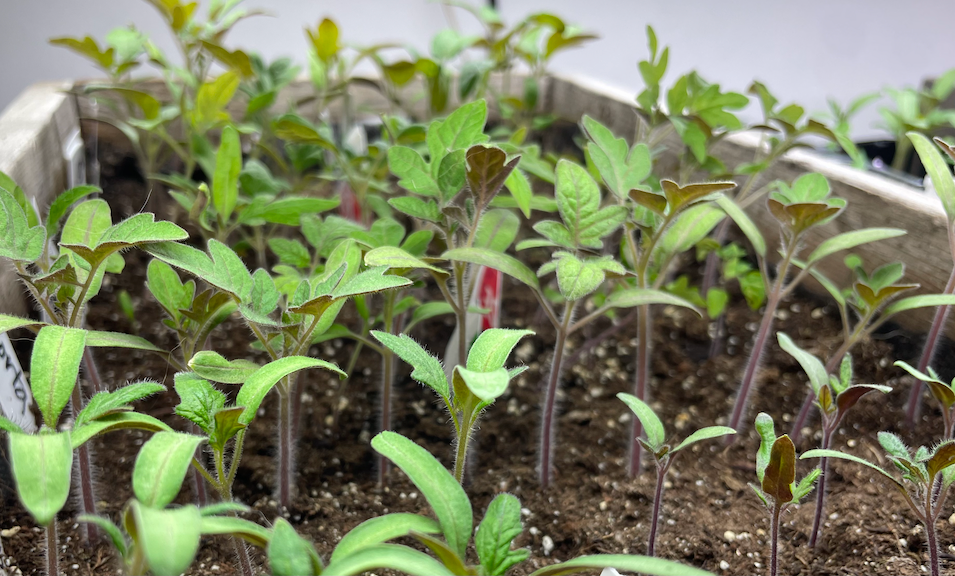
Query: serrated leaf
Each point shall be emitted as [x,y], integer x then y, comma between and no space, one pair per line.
[413,173]
[290,251]
[621,168]
[427,368]
[500,526]
[578,200]
[417,208]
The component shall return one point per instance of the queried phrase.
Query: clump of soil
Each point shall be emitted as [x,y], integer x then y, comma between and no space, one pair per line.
[711,519]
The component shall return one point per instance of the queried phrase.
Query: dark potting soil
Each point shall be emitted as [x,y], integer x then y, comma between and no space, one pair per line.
[711,518]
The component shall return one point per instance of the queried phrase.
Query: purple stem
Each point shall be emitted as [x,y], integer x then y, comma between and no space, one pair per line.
[92,372]
[928,352]
[641,378]
[931,536]
[657,505]
[774,551]
[550,398]
[821,488]
[52,563]
[749,375]
[198,482]
[88,531]
[804,411]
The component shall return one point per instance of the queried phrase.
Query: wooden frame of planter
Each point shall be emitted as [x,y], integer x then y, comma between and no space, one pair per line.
[35,128]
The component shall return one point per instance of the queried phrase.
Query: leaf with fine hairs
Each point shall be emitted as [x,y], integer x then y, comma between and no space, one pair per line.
[55,365]
[780,471]
[161,466]
[427,368]
[42,465]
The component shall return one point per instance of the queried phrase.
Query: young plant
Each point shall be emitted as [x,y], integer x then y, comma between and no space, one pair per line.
[874,299]
[834,395]
[583,227]
[798,209]
[941,175]
[943,393]
[365,548]
[303,314]
[776,472]
[663,454]
[927,475]
[473,387]
[917,111]
[42,463]
[164,540]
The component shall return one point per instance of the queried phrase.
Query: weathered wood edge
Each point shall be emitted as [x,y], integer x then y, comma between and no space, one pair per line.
[34,129]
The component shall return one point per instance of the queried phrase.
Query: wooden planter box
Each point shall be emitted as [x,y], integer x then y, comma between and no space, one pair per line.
[34,129]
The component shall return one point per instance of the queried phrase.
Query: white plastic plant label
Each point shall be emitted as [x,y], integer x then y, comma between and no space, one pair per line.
[75,157]
[15,397]
[486,296]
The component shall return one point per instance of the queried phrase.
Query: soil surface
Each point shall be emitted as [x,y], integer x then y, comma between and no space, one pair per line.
[711,518]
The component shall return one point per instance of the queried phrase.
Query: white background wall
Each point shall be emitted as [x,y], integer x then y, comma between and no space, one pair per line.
[804,51]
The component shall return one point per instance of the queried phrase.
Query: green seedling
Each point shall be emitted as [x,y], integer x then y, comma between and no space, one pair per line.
[776,472]
[940,173]
[943,393]
[917,111]
[583,227]
[365,548]
[842,122]
[163,540]
[285,325]
[42,463]
[927,475]
[63,277]
[472,388]
[799,208]
[834,395]
[874,299]
[663,454]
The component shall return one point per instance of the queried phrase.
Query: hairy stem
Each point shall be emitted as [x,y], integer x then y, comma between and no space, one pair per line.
[461,452]
[752,365]
[550,398]
[92,372]
[52,562]
[84,465]
[928,352]
[821,489]
[774,550]
[931,535]
[641,379]
[657,505]
[285,445]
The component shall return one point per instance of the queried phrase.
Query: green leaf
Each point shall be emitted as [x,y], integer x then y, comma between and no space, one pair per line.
[848,240]
[169,538]
[394,257]
[630,297]
[229,525]
[381,529]
[290,251]
[198,400]
[780,471]
[767,434]
[18,240]
[578,278]
[265,378]
[520,188]
[500,526]
[290,554]
[621,169]
[399,558]
[746,225]
[578,200]
[224,270]
[417,208]
[61,206]
[55,365]
[287,210]
[161,467]
[921,301]
[638,564]
[490,350]
[841,456]
[451,174]
[652,426]
[368,282]
[165,285]
[716,301]
[104,403]
[943,457]
[461,130]
[690,227]
[704,434]
[212,366]
[413,173]
[98,339]
[112,530]
[443,492]
[938,170]
[496,260]
[113,422]
[497,230]
[487,386]
[41,470]
[8,323]
[818,378]
[427,368]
